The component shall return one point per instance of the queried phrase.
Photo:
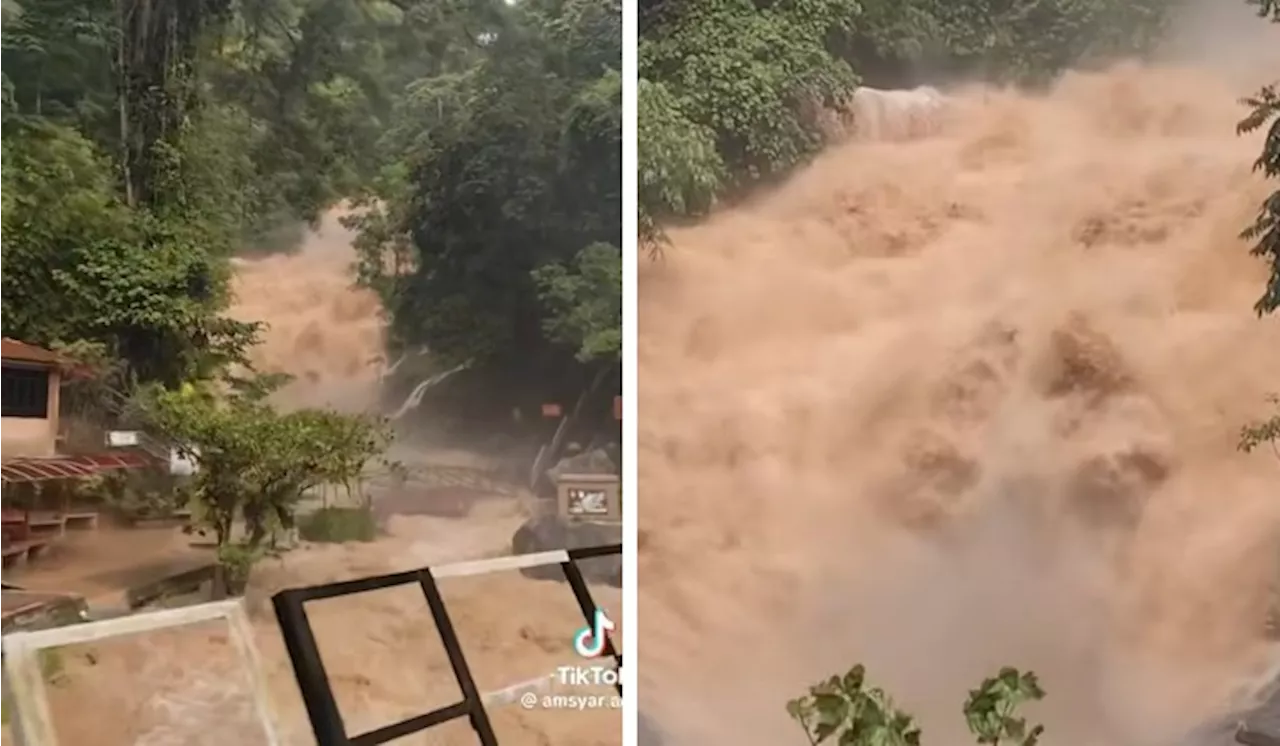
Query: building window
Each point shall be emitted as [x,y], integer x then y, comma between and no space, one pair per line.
[25,392]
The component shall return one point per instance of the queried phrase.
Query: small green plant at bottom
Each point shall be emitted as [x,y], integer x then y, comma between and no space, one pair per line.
[844,708]
[235,563]
[335,525]
[990,708]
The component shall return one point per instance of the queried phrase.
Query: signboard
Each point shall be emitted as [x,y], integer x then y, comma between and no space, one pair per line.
[182,464]
[122,438]
[587,502]
[589,497]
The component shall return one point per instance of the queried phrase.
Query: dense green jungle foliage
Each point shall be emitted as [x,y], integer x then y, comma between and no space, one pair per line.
[731,90]
[494,235]
[1264,114]
[146,142]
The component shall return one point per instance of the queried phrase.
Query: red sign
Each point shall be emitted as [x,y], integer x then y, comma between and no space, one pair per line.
[551,410]
[617,407]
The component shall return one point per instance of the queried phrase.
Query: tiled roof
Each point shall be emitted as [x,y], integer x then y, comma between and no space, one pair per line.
[24,469]
[12,349]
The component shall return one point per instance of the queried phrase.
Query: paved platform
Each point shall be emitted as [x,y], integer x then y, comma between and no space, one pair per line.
[36,610]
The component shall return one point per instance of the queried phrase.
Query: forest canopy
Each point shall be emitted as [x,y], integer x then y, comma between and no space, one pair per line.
[146,142]
[731,91]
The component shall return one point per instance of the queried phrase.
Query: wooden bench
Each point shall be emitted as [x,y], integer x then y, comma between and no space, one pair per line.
[176,518]
[46,524]
[15,529]
[20,552]
[83,521]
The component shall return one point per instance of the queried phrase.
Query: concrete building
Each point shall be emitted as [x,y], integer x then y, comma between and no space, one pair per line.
[32,379]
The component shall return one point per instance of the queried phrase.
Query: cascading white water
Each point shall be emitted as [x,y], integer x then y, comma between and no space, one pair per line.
[966,400]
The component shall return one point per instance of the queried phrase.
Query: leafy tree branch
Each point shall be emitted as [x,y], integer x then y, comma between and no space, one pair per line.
[845,709]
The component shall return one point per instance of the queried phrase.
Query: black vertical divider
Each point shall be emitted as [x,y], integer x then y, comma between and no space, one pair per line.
[300,643]
[461,671]
[588,606]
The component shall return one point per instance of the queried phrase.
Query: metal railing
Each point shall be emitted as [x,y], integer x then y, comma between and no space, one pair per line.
[317,694]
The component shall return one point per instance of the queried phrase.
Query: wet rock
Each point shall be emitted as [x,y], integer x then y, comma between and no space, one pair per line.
[595,461]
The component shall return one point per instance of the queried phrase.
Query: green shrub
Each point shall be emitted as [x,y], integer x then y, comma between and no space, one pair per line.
[336,525]
[848,711]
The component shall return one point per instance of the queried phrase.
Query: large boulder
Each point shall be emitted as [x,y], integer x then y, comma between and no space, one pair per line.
[595,461]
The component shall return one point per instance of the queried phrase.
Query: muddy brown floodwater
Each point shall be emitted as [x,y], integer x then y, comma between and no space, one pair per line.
[966,401]
[185,688]
[320,329]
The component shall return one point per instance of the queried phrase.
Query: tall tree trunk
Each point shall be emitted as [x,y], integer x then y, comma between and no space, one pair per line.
[158,47]
[122,99]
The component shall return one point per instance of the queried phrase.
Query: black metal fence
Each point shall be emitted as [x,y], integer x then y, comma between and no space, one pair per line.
[317,694]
